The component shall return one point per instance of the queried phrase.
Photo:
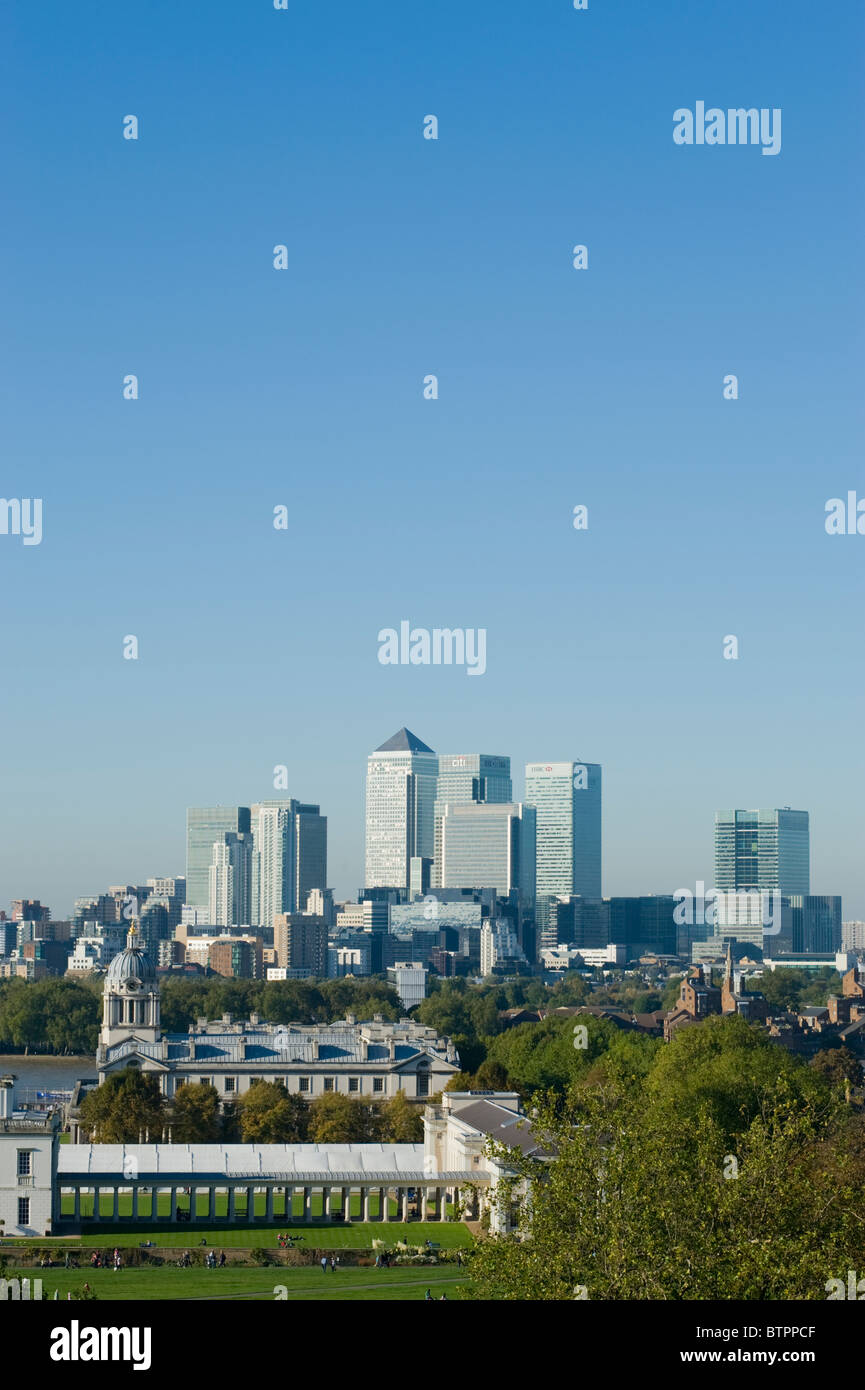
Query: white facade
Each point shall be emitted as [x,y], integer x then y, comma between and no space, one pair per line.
[28,1166]
[409,981]
[499,942]
[95,949]
[230,880]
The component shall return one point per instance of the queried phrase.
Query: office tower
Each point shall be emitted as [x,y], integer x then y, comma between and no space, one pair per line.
[230,880]
[273,870]
[463,779]
[204,826]
[567,797]
[171,894]
[499,947]
[762,850]
[319,903]
[289,858]
[238,958]
[852,936]
[420,877]
[401,781]
[644,925]
[310,841]
[489,846]
[817,928]
[29,910]
[301,942]
[575,921]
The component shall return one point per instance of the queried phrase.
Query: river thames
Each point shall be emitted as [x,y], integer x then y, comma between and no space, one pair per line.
[45,1073]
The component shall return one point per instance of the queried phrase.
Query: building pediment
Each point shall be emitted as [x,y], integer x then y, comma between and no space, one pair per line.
[133,1057]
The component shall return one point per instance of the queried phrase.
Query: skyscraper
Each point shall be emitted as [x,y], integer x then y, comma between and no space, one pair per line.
[401,781]
[204,826]
[762,850]
[465,779]
[489,846]
[230,880]
[289,859]
[567,797]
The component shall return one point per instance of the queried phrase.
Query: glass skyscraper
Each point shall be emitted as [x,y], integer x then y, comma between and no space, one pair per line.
[567,797]
[401,779]
[464,779]
[762,850]
[489,846]
[204,826]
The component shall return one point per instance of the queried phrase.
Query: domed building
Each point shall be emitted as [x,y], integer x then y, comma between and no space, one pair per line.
[374,1058]
[130,1000]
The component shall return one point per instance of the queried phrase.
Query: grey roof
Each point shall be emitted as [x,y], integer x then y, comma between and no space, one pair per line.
[404,742]
[503,1125]
[336,1047]
[131,964]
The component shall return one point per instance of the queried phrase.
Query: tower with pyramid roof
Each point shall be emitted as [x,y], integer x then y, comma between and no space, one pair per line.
[401,780]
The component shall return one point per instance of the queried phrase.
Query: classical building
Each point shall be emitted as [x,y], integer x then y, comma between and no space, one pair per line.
[374,1058]
[50,1189]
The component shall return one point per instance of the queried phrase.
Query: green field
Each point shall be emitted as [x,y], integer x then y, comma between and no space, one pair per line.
[357,1236]
[171,1283]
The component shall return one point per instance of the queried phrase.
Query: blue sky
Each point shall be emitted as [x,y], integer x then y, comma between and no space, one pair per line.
[304,387]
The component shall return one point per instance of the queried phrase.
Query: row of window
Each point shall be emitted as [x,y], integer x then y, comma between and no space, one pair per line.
[304,1083]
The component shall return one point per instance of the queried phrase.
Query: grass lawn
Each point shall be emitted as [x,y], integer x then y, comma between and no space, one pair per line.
[171,1283]
[356,1236]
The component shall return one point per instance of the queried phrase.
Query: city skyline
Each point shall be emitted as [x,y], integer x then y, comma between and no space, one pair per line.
[624,880]
[304,388]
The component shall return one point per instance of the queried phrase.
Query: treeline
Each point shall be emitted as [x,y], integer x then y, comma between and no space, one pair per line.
[129,1105]
[53,1016]
[718,1166]
[183,1001]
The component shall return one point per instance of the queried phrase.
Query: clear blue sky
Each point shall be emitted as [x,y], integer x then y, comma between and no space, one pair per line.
[304,387]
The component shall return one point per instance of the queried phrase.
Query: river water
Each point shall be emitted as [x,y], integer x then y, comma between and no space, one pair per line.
[45,1073]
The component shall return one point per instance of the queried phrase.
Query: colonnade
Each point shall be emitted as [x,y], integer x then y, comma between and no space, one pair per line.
[287,1202]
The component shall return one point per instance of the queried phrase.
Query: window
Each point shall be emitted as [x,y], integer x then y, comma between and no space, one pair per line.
[422,1083]
[328,1083]
[354,1083]
[230,1084]
[303,1083]
[378,1083]
[178,1082]
[278,1080]
[25,1163]
[23,1211]
[205,1080]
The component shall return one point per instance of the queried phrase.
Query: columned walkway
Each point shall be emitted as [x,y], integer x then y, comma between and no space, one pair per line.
[281,1199]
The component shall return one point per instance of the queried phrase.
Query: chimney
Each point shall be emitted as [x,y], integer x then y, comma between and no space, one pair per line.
[7,1096]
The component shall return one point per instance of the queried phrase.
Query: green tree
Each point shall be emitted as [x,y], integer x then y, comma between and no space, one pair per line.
[402,1122]
[269,1115]
[339,1119]
[838,1065]
[641,1201]
[126,1105]
[195,1117]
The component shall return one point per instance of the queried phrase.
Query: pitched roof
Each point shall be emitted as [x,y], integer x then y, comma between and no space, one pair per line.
[404,741]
